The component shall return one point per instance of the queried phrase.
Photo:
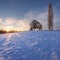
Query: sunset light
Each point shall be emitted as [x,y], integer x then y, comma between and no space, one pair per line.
[29,29]
[7,29]
[12,24]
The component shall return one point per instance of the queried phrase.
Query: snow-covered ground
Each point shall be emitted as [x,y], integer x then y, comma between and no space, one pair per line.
[31,45]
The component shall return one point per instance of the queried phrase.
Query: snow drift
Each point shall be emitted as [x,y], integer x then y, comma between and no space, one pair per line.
[31,45]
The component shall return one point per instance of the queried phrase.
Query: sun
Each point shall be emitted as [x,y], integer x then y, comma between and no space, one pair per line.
[8,29]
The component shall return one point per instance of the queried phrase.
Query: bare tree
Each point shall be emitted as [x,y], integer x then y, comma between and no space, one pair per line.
[35,25]
[50,17]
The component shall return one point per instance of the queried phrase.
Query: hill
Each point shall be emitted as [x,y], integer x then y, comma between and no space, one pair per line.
[31,45]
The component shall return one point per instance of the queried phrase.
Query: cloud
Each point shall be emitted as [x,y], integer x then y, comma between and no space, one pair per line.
[14,24]
[23,24]
[56,23]
[41,17]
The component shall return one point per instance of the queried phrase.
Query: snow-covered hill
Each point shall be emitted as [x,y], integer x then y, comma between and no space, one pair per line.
[31,45]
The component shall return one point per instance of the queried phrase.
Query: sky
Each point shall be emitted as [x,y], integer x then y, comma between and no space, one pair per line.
[17,14]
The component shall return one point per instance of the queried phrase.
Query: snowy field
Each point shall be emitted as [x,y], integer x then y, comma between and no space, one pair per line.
[31,45]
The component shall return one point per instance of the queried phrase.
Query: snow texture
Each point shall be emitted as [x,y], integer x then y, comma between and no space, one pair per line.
[31,45]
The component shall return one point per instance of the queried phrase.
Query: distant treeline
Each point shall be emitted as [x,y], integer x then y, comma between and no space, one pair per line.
[3,31]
